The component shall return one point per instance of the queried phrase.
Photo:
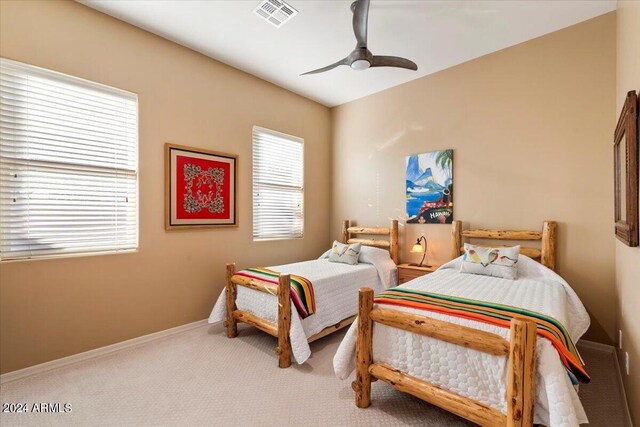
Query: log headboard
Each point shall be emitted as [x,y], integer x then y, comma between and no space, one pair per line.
[546,254]
[392,232]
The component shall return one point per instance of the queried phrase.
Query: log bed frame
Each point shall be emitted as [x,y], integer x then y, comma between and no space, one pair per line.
[520,349]
[283,292]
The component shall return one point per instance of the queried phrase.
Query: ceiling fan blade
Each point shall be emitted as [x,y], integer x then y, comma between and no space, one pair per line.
[393,61]
[328,67]
[360,17]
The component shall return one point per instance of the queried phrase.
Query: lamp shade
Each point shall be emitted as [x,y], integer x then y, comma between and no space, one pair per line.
[420,248]
[417,249]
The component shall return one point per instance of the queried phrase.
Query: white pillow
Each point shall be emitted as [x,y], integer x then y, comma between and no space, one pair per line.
[369,253]
[383,263]
[343,253]
[496,262]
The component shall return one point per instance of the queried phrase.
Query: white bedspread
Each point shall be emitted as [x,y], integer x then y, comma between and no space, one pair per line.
[335,287]
[474,374]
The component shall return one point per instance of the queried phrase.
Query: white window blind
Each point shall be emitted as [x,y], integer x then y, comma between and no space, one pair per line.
[68,165]
[278,185]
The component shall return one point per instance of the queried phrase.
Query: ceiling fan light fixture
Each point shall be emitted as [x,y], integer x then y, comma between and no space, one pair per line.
[360,64]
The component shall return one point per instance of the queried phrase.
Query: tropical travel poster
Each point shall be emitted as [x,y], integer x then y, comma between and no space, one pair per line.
[429,187]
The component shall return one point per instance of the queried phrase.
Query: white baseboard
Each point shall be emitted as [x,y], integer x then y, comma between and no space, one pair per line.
[624,394]
[98,352]
[611,350]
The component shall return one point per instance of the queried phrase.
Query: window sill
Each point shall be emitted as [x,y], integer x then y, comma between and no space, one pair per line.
[66,256]
[275,239]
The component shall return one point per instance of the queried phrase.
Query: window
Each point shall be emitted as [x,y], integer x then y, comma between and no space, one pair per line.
[278,185]
[68,165]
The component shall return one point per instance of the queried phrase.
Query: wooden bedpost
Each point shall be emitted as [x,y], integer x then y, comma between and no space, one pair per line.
[393,240]
[456,239]
[364,358]
[231,291]
[521,374]
[548,248]
[345,230]
[284,321]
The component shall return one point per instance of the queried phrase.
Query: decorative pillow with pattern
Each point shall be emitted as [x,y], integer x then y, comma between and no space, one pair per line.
[497,262]
[346,254]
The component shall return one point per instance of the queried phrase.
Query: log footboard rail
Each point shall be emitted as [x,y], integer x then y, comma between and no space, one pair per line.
[281,329]
[520,351]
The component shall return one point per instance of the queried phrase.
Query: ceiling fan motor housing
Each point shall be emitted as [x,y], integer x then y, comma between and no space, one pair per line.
[360,59]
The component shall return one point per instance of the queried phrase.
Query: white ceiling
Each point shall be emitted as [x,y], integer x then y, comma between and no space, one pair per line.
[434,34]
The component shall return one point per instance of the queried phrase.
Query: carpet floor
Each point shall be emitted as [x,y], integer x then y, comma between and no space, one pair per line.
[200,377]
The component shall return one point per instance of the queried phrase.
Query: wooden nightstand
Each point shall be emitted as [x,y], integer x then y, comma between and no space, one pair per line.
[408,272]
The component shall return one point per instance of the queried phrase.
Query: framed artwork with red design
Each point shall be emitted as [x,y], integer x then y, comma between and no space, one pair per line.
[200,188]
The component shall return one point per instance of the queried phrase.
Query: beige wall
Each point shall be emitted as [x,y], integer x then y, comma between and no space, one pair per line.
[531,130]
[628,259]
[54,308]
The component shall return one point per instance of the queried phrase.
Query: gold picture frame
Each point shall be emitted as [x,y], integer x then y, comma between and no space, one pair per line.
[200,188]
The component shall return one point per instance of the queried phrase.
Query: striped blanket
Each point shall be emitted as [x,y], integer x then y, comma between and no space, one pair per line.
[301,288]
[494,314]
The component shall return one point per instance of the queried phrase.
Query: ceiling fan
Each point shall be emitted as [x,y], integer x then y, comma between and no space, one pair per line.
[361,58]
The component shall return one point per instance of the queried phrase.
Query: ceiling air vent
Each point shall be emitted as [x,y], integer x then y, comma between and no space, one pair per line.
[275,12]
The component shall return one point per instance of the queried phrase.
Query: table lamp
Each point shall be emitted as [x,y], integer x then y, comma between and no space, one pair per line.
[418,248]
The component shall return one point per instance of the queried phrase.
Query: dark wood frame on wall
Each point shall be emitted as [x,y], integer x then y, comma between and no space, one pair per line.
[627,133]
